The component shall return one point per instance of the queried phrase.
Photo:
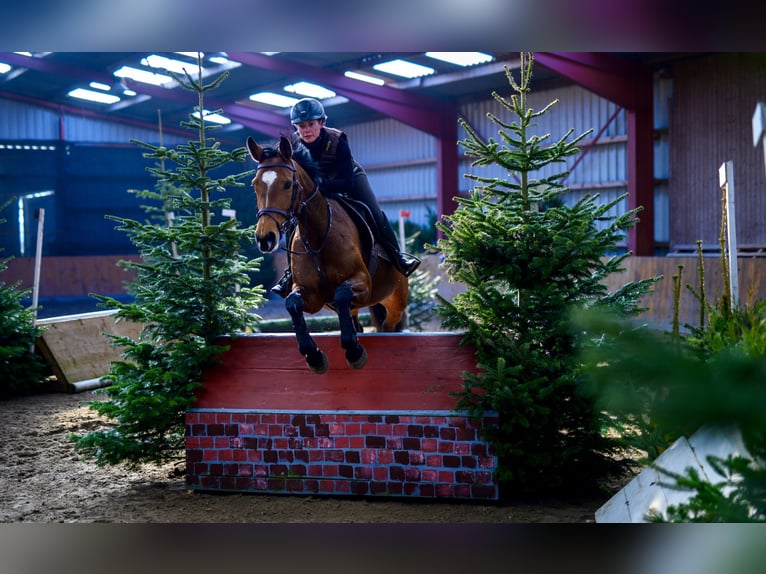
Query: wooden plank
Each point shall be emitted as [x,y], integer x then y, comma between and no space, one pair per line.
[659,304]
[405,371]
[77,348]
[67,276]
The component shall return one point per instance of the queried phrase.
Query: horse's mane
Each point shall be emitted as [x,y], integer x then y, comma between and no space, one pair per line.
[302,155]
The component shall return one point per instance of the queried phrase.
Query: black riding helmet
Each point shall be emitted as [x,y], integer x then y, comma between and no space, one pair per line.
[306,110]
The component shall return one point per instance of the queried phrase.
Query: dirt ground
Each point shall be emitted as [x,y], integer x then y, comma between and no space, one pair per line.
[43,480]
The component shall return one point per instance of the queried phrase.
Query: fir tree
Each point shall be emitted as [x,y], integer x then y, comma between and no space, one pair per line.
[22,370]
[191,287]
[527,260]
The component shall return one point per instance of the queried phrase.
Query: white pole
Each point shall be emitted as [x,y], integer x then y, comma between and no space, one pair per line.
[38,261]
[726,181]
[759,125]
[403,214]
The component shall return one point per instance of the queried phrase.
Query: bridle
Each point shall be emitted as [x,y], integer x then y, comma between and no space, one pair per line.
[297,206]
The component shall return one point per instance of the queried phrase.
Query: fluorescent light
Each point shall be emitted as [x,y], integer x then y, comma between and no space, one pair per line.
[192,55]
[461,58]
[364,78]
[404,68]
[93,96]
[129,92]
[219,60]
[4,68]
[100,86]
[274,99]
[177,66]
[142,76]
[309,89]
[211,117]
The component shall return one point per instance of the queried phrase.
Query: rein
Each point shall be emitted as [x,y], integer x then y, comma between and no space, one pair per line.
[292,214]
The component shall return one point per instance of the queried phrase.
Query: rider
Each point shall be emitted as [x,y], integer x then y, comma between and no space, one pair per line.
[341,175]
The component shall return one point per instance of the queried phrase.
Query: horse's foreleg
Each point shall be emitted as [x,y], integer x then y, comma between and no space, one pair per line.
[356,356]
[315,358]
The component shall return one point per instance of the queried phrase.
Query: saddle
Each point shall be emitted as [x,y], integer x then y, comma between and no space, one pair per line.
[365,223]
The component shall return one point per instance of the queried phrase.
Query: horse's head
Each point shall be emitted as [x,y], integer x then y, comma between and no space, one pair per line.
[277,191]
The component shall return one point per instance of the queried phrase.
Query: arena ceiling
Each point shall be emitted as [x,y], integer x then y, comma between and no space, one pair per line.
[47,79]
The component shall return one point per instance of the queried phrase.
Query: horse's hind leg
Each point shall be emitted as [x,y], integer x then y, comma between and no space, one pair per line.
[355,321]
[356,356]
[315,358]
[377,316]
[392,318]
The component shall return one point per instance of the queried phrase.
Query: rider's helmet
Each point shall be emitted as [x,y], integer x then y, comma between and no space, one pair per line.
[306,110]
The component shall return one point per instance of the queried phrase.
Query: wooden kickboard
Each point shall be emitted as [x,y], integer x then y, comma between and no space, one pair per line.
[77,348]
[405,371]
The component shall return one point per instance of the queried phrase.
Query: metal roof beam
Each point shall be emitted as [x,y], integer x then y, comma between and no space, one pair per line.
[55,68]
[266,123]
[617,79]
[418,111]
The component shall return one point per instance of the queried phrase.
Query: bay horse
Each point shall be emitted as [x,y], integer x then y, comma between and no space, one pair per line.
[328,263]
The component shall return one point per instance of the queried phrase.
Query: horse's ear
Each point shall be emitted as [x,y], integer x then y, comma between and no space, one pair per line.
[285,148]
[256,151]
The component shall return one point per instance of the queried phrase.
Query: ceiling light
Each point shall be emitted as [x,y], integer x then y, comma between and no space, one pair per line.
[4,68]
[93,96]
[219,60]
[461,58]
[100,86]
[364,78]
[213,117]
[192,55]
[142,76]
[404,68]
[309,89]
[274,99]
[177,66]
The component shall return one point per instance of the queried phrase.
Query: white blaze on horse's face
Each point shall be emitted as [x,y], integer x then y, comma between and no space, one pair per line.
[269,177]
[274,196]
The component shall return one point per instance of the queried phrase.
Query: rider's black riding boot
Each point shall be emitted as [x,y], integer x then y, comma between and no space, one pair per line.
[404,262]
[282,288]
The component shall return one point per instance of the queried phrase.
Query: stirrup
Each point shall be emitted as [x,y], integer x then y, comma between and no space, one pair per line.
[408,263]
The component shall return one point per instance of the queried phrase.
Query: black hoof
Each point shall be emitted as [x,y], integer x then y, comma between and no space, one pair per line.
[318,363]
[358,359]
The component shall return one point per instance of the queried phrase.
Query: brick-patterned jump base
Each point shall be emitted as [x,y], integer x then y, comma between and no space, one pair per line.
[265,423]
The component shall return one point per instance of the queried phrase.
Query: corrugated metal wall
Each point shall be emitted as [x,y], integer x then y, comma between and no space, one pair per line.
[19,121]
[400,162]
[80,129]
[24,122]
[713,103]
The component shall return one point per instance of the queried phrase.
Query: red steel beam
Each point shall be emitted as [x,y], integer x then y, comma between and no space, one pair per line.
[629,85]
